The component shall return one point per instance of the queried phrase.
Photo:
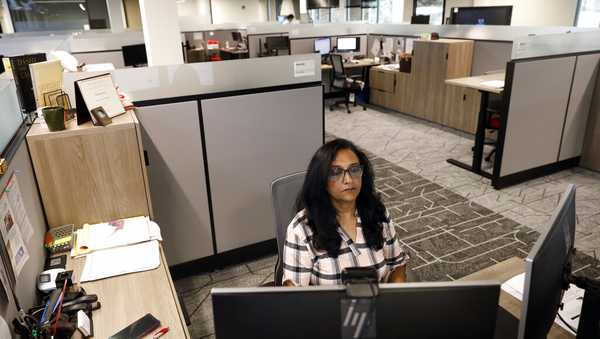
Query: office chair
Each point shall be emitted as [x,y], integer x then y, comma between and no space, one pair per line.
[284,192]
[347,85]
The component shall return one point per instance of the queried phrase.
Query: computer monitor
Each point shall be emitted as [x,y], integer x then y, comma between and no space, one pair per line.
[411,310]
[348,44]
[485,15]
[236,36]
[278,43]
[134,55]
[545,269]
[420,19]
[323,45]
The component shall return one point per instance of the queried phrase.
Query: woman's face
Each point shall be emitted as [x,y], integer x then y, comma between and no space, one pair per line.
[345,177]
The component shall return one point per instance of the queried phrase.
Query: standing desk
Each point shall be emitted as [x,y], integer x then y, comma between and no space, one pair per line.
[502,272]
[126,298]
[475,83]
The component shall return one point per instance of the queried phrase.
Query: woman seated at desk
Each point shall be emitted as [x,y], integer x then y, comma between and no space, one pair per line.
[341,222]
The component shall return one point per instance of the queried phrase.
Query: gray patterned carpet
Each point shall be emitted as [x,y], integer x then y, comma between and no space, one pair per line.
[447,235]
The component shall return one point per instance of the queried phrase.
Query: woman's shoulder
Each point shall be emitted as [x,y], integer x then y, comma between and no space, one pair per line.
[299,225]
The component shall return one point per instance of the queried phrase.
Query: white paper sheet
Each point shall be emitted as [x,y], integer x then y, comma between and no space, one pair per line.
[15,200]
[11,234]
[121,260]
[572,300]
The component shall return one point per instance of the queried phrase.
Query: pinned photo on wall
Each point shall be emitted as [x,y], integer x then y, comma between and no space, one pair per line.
[15,200]
[11,233]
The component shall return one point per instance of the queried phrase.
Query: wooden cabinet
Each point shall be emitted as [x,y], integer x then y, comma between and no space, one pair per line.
[423,92]
[382,84]
[461,108]
[90,174]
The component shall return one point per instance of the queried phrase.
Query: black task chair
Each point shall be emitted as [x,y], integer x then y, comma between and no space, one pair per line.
[493,122]
[284,192]
[344,83]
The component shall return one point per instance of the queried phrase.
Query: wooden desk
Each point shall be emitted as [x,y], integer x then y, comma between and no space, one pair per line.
[348,65]
[504,271]
[127,298]
[476,83]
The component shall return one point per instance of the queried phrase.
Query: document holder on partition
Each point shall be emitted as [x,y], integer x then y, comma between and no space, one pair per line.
[96,91]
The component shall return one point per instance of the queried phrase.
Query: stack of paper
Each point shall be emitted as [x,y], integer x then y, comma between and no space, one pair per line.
[114,234]
[121,260]
[572,300]
[493,83]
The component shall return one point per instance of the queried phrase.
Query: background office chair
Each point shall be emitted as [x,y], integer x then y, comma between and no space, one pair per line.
[493,123]
[344,83]
[284,192]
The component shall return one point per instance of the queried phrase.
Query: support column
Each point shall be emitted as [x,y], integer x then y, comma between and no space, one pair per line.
[161,32]
[116,15]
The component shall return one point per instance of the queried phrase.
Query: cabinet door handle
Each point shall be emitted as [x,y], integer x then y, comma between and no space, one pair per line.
[464,97]
[146,159]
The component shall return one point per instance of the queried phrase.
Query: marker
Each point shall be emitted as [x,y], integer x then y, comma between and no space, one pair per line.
[160,332]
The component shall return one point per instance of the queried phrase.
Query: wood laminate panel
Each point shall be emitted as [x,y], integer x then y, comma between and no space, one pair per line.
[89,174]
[126,298]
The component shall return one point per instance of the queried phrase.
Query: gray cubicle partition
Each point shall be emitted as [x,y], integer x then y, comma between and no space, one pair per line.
[215,143]
[251,140]
[26,283]
[547,104]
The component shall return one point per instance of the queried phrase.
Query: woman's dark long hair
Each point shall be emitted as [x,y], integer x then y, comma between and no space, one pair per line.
[321,213]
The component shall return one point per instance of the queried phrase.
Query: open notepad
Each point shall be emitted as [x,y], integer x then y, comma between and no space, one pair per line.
[121,260]
[116,233]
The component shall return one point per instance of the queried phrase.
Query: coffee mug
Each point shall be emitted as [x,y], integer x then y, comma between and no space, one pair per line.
[55,118]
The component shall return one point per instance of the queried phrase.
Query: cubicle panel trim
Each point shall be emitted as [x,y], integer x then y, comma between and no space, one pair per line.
[563,55]
[99,51]
[257,90]
[13,145]
[330,36]
[508,80]
[207,178]
[533,173]
[562,133]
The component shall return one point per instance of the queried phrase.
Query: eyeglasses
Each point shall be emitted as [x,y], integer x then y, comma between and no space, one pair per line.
[337,173]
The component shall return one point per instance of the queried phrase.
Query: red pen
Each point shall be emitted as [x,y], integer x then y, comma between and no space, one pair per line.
[160,332]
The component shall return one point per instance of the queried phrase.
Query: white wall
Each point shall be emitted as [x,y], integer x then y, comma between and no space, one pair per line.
[231,11]
[195,11]
[537,12]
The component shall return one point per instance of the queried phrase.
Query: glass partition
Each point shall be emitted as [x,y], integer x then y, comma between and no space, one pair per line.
[10,115]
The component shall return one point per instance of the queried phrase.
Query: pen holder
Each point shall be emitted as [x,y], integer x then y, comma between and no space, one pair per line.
[55,118]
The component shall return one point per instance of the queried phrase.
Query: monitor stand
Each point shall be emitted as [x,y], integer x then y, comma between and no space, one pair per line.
[507,325]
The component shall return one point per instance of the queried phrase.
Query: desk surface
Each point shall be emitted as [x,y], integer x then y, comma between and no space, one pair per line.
[504,271]
[40,130]
[360,63]
[126,298]
[234,50]
[475,82]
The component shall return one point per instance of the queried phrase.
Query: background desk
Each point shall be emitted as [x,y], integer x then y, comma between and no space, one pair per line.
[504,271]
[127,298]
[485,90]
[361,66]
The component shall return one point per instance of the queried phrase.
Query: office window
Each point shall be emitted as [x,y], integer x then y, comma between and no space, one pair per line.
[56,15]
[433,8]
[391,11]
[320,16]
[588,13]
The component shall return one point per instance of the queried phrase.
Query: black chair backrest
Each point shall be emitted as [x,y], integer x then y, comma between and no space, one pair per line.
[338,66]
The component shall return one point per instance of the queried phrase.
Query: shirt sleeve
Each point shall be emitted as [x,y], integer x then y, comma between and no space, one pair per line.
[392,250]
[297,256]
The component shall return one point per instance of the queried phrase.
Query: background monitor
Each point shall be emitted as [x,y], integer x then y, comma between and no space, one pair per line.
[348,44]
[420,19]
[236,36]
[410,310]
[545,269]
[487,15]
[134,55]
[278,43]
[323,45]
[315,4]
